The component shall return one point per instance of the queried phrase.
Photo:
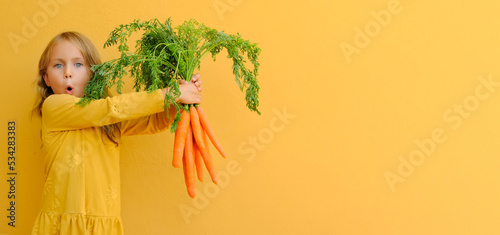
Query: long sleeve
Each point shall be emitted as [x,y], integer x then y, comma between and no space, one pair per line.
[150,124]
[60,112]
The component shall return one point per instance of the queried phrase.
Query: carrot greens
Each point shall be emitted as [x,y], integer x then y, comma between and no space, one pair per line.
[166,54]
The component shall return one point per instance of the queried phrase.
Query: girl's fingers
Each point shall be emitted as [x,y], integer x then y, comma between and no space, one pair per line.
[197,81]
[195,77]
[198,86]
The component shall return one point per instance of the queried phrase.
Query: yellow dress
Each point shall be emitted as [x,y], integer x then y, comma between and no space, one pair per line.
[81,194]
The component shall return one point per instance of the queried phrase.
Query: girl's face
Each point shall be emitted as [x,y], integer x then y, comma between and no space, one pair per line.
[67,71]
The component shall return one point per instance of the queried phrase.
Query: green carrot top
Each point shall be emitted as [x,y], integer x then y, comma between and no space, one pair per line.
[164,55]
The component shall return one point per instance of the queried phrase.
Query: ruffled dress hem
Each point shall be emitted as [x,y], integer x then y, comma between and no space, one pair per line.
[49,223]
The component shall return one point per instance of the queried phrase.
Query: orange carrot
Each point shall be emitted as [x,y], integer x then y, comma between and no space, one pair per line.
[180,138]
[205,139]
[189,164]
[208,129]
[196,126]
[210,166]
[198,161]
[207,159]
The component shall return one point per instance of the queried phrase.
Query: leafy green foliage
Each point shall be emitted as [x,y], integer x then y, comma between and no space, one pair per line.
[165,54]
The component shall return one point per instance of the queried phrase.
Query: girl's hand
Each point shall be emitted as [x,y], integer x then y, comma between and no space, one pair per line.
[190,91]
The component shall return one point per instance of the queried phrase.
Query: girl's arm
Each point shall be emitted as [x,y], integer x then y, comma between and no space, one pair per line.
[60,112]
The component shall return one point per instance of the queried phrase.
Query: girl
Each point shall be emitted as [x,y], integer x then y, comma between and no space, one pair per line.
[81,194]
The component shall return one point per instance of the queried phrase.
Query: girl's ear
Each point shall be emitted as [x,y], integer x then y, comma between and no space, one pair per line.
[46,79]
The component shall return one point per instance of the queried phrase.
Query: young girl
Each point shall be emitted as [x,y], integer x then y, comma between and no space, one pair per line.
[81,194]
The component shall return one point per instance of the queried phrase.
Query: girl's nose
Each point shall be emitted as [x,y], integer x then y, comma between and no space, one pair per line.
[67,73]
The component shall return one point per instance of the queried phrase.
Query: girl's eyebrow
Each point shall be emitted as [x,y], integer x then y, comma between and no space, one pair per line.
[72,59]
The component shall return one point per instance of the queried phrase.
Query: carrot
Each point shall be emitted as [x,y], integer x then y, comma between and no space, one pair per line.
[189,164]
[180,138]
[197,130]
[205,139]
[208,129]
[198,162]
[207,159]
[210,166]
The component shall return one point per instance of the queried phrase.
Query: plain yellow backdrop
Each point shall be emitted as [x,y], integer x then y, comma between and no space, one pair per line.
[378,117]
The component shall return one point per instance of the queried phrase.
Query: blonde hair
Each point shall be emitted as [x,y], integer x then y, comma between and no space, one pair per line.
[91,57]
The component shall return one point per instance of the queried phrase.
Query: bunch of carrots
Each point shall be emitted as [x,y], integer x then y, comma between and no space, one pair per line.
[165,55]
[191,147]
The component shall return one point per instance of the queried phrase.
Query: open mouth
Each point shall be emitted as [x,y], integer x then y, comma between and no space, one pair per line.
[69,90]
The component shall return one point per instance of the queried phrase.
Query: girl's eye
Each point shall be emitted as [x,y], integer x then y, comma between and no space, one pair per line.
[78,65]
[58,66]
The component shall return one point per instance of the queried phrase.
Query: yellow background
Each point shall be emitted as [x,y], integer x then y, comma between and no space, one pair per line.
[350,92]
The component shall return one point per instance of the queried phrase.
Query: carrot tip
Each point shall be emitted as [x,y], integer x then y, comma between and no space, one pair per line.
[192,192]
[175,165]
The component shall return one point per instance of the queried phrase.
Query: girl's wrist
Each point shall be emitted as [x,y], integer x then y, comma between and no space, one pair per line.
[165,90]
